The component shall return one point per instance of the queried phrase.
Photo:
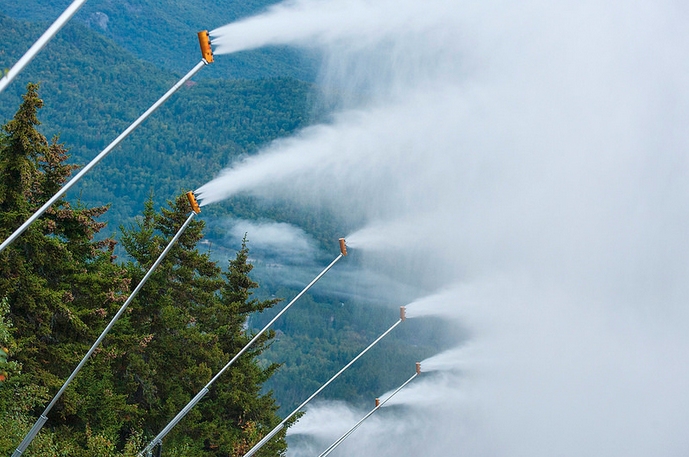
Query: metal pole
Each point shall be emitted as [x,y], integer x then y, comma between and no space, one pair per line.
[44,417]
[281,425]
[104,153]
[199,396]
[40,43]
[351,430]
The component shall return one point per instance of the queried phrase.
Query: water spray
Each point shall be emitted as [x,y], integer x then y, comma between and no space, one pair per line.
[40,43]
[281,425]
[44,416]
[204,41]
[158,440]
[379,405]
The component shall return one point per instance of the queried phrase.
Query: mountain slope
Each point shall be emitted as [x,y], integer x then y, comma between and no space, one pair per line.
[93,90]
[163,32]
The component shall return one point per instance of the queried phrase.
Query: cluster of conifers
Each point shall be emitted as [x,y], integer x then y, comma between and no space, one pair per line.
[207,58]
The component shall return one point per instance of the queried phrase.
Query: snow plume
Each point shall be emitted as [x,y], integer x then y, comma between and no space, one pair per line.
[531,157]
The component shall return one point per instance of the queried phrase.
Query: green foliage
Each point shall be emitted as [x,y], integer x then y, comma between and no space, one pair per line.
[185,325]
[94,90]
[59,288]
[163,32]
[8,367]
[51,280]
[55,272]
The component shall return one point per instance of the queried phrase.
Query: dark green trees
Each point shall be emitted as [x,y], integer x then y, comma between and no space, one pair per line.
[59,287]
[55,277]
[185,325]
[59,282]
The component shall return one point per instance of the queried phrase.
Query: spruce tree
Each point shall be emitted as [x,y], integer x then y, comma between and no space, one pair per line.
[60,283]
[59,287]
[251,413]
[185,325]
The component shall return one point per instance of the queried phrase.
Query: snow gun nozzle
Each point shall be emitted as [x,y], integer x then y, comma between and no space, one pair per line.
[418,368]
[343,247]
[205,42]
[377,402]
[403,313]
[192,202]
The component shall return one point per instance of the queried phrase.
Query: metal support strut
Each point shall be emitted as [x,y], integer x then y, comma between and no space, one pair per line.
[199,396]
[353,429]
[40,43]
[44,417]
[101,156]
[282,424]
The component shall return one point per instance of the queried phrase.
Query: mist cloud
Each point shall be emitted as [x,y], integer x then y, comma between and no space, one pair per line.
[532,157]
[271,241]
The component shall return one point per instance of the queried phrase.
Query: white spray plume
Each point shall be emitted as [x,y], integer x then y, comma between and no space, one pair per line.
[327,420]
[466,357]
[314,23]
[428,392]
[439,304]
[535,153]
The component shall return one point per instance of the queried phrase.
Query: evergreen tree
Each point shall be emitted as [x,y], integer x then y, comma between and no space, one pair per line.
[61,285]
[185,325]
[252,415]
[58,289]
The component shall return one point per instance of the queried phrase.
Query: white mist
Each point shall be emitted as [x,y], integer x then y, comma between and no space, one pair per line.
[531,159]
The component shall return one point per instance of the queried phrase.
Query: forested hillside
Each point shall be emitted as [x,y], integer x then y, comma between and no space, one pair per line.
[93,90]
[316,340]
[163,32]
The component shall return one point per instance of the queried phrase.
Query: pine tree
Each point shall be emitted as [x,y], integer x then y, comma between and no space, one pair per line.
[60,283]
[251,413]
[20,147]
[185,325]
[59,287]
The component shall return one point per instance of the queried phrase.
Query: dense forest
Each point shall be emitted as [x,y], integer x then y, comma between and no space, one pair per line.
[94,89]
[163,32]
[59,287]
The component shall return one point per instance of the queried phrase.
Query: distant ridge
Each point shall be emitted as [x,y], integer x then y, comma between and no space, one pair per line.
[93,89]
[163,32]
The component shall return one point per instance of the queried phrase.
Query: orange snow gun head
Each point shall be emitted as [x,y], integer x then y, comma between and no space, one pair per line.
[205,42]
[193,203]
[343,247]
[403,313]
[377,402]
[418,368]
